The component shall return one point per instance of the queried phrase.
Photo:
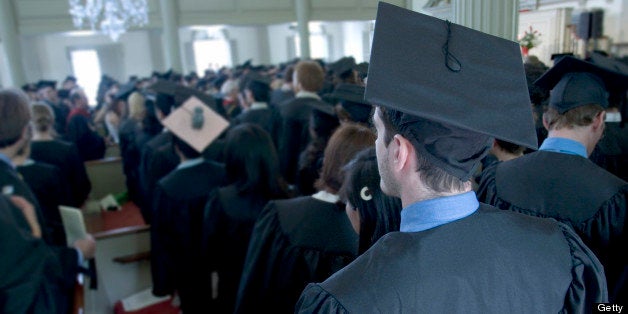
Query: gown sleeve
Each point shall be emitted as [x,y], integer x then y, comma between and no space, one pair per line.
[161,264]
[315,299]
[588,285]
[486,192]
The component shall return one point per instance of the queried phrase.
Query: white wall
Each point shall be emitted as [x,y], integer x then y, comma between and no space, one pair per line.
[278,35]
[4,75]
[47,56]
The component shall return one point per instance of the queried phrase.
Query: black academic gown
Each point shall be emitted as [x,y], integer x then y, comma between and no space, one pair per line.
[294,242]
[294,134]
[176,235]
[130,152]
[158,159]
[227,227]
[32,278]
[90,145]
[51,190]
[572,190]
[66,258]
[65,156]
[489,262]
[279,96]
[611,152]
[267,118]
[61,112]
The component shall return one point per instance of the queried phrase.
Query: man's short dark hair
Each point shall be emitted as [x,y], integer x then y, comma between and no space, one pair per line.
[14,116]
[435,178]
[260,91]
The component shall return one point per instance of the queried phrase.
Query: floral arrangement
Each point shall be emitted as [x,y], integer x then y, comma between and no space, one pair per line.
[530,38]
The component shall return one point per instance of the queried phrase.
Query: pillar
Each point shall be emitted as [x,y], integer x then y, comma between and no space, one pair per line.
[11,44]
[303,18]
[171,42]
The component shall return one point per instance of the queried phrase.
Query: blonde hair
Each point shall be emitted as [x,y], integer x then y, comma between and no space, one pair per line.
[137,106]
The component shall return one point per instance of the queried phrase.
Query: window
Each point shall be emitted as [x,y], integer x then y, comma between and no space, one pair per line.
[211,54]
[86,68]
[319,42]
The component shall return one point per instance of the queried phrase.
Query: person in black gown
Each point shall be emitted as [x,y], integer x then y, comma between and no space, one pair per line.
[45,148]
[567,185]
[371,212]
[303,239]
[81,131]
[453,254]
[177,263]
[252,165]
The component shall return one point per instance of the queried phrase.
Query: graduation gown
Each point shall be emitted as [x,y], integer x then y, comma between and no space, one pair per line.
[65,156]
[611,152]
[158,159]
[573,190]
[294,242]
[130,153]
[89,144]
[51,190]
[227,227]
[31,274]
[489,262]
[267,118]
[294,134]
[176,234]
[65,259]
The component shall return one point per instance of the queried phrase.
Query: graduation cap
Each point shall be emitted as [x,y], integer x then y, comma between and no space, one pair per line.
[30,87]
[46,83]
[557,56]
[351,99]
[182,93]
[362,68]
[63,93]
[125,90]
[70,78]
[196,123]
[456,87]
[342,65]
[574,83]
[258,78]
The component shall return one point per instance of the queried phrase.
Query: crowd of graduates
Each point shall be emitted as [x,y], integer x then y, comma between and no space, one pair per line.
[287,192]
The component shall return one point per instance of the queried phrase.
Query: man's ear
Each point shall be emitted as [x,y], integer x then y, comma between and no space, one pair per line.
[402,150]
[545,123]
[599,120]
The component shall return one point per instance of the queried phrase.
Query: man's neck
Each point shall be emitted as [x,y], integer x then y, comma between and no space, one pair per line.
[579,134]
[42,136]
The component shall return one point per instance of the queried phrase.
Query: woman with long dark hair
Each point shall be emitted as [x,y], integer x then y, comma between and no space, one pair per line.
[371,212]
[252,166]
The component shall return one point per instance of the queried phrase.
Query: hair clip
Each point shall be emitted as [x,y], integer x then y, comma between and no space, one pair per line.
[197,118]
[365,194]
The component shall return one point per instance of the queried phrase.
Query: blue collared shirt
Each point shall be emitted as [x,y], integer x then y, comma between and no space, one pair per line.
[564,145]
[434,212]
[4,158]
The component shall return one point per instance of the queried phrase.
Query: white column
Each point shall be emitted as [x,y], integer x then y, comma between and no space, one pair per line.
[495,17]
[303,18]
[172,45]
[11,44]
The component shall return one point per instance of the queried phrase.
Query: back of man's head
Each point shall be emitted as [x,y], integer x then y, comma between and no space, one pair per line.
[14,116]
[309,76]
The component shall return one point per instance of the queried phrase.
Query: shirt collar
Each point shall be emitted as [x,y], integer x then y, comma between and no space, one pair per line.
[258,105]
[4,158]
[190,163]
[564,145]
[306,94]
[434,212]
[326,197]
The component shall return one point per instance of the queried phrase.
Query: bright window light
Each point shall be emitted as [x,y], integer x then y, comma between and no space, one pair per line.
[87,72]
[211,54]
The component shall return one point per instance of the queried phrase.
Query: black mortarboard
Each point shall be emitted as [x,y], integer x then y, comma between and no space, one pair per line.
[45,83]
[351,99]
[456,87]
[30,87]
[259,78]
[574,83]
[342,65]
[164,87]
[557,56]
[125,90]
[70,78]
[63,93]
[362,68]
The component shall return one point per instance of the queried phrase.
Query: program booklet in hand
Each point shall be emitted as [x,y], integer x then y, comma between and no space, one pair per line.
[73,223]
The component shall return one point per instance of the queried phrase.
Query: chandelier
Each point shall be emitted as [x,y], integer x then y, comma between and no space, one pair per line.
[112,17]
